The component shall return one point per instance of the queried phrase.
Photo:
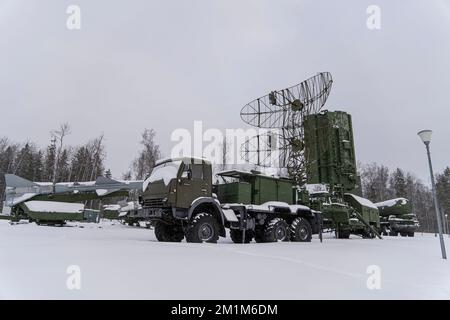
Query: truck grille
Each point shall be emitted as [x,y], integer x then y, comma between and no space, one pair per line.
[153,203]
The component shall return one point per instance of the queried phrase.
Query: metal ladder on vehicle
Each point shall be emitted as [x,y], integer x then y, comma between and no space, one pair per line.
[360,218]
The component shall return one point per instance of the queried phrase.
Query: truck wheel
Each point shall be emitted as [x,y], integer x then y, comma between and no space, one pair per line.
[236,236]
[393,233]
[403,234]
[175,233]
[168,233]
[259,234]
[276,230]
[411,234]
[160,231]
[203,228]
[300,230]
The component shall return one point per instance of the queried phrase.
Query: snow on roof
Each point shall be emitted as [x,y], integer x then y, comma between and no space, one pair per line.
[315,188]
[53,206]
[363,201]
[111,207]
[269,206]
[185,159]
[165,172]
[234,172]
[392,202]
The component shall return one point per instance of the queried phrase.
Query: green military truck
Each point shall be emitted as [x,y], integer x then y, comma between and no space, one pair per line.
[396,218]
[349,214]
[181,201]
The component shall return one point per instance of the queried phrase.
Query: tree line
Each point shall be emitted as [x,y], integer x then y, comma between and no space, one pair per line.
[379,183]
[60,162]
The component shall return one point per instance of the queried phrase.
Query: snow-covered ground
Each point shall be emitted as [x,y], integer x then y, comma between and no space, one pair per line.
[122,262]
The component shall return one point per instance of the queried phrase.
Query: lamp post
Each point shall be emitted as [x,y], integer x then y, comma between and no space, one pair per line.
[446,221]
[425,135]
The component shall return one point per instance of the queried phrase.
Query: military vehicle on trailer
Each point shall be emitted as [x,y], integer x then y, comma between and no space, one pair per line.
[49,203]
[396,217]
[180,201]
[350,214]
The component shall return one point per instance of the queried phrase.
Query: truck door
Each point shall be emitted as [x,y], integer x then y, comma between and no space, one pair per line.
[192,185]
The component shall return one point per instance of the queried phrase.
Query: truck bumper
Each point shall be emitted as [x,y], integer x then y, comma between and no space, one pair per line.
[404,227]
[146,213]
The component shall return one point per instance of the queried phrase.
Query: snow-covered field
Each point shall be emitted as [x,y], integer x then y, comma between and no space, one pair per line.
[122,262]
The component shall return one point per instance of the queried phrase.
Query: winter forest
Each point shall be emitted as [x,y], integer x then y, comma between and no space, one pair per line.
[59,162]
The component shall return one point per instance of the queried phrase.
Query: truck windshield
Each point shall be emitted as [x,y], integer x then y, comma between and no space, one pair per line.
[165,171]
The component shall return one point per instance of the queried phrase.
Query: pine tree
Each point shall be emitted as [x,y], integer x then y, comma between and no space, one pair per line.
[443,191]
[80,160]
[24,162]
[50,159]
[38,166]
[127,175]
[398,184]
[63,166]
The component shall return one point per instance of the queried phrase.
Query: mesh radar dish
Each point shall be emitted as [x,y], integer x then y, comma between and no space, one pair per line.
[287,107]
[285,111]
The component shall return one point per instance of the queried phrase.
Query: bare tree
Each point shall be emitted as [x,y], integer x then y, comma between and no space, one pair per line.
[59,136]
[148,156]
[224,156]
[98,155]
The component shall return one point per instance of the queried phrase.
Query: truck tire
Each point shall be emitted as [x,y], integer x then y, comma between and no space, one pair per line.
[411,234]
[168,233]
[403,234]
[202,228]
[259,234]
[160,231]
[393,233]
[175,233]
[300,230]
[276,230]
[236,236]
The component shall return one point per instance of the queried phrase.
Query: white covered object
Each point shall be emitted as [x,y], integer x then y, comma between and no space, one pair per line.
[392,202]
[52,206]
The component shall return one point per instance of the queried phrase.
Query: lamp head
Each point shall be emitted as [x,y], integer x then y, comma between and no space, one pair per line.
[425,135]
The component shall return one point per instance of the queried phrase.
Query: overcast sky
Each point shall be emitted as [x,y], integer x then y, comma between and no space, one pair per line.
[163,64]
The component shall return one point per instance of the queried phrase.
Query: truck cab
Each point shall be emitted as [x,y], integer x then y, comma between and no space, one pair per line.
[177,183]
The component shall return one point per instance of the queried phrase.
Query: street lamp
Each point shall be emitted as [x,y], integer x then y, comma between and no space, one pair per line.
[425,135]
